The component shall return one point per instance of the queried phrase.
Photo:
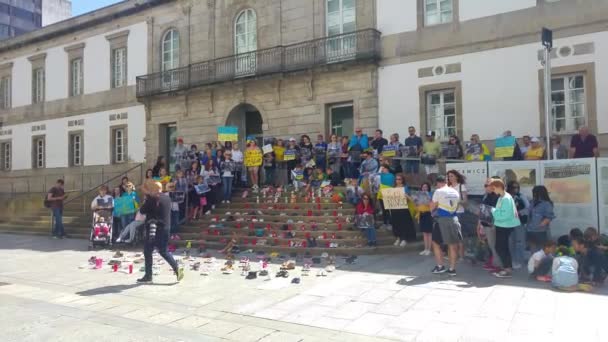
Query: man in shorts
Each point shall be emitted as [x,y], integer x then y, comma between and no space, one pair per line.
[445,204]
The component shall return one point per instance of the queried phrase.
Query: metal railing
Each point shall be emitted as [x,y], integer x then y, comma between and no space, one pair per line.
[363,45]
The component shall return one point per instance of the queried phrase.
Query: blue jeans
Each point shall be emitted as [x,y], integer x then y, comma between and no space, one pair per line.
[517,244]
[58,222]
[371,234]
[411,167]
[160,242]
[125,220]
[174,221]
[227,184]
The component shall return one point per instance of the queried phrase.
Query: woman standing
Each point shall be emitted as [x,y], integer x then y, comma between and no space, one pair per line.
[365,219]
[505,219]
[253,161]
[291,156]
[211,176]
[518,238]
[425,218]
[455,150]
[401,219]
[541,215]
[237,156]
[457,181]
[393,151]
[334,149]
[306,149]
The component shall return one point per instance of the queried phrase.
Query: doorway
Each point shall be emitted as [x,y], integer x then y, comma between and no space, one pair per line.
[249,122]
[341,121]
[167,142]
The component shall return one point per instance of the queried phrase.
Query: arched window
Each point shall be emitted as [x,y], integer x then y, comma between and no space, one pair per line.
[245,32]
[170,50]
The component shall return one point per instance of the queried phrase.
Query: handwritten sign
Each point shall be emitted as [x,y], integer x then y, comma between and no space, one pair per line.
[267,149]
[289,155]
[394,198]
[389,151]
[505,147]
[253,158]
[227,133]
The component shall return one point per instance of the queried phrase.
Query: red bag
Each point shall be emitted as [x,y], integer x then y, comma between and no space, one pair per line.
[203,201]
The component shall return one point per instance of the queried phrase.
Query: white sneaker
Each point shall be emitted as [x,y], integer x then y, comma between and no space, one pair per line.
[119,240]
[223,202]
[422,253]
[397,242]
[208,212]
[403,243]
[228,202]
[428,252]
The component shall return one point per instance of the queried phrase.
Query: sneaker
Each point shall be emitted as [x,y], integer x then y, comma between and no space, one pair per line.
[118,240]
[439,270]
[144,280]
[503,274]
[428,252]
[180,274]
[208,212]
[516,266]
[451,273]
[228,202]
[423,252]
[403,243]
[397,242]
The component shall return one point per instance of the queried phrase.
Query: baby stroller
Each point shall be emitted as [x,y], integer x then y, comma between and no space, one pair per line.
[101,229]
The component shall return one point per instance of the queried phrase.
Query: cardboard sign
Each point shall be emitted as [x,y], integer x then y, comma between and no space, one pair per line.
[267,149]
[253,158]
[505,147]
[394,198]
[389,151]
[289,155]
[227,133]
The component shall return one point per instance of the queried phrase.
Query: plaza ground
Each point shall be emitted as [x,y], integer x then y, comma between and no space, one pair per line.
[45,296]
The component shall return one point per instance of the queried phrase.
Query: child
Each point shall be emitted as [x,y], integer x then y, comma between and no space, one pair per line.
[334,177]
[163,177]
[298,177]
[564,271]
[315,179]
[592,237]
[365,219]
[540,263]
[227,169]
[594,265]
[353,191]
[200,188]
[566,240]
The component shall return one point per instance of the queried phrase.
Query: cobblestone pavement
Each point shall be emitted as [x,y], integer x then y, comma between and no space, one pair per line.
[45,296]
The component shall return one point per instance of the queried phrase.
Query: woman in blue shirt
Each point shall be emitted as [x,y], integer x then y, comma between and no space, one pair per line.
[541,215]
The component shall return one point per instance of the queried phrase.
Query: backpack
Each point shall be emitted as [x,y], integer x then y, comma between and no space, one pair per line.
[47,203]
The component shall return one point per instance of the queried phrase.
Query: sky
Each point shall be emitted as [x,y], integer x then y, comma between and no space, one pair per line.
[83,6]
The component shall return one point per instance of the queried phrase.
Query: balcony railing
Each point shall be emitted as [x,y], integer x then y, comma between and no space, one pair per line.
[363,45]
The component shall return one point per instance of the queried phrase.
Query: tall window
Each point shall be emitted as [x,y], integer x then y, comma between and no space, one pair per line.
[119,142]
[119,67]
[245,34]
[341,17]
[568,103]
[170,50]
[76,77]
[38,85]
[39,152]
[441,113]
[5,157]
[438,12]
[5,92]
[76,149]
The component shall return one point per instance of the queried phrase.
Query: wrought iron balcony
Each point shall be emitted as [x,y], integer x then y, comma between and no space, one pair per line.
[363,45]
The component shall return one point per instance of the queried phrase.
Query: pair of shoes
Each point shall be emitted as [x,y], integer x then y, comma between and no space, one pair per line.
[503,274]
[403,243]
[425,252]
[145,280]
[283,274]
[439,270]
[397,242]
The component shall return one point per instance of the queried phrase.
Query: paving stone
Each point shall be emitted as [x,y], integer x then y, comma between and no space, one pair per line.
[190,322]
[219,328]
[271,313]
[370,324]
[393,306]
[280,336]
[375,296]
[351,311]
[330,323]
[249,334]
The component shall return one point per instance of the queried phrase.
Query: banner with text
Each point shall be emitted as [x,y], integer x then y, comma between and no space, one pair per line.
[227,133]
[571,186]
[476,174]
[394,198]
[253,158]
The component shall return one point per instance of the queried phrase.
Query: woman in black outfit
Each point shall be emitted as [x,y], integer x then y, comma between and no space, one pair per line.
[401,219]
[157,208]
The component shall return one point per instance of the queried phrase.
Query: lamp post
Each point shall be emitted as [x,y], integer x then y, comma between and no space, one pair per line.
[547,40]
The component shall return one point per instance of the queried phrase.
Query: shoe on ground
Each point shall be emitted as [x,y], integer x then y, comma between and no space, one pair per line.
[516,266]
[397,242]
[118,240]
[503,274]
[439,270]
[403,243]
[144,280]
[545,278]
[428,252]
[55,237]
[451,273]
[228,202]
[422,253]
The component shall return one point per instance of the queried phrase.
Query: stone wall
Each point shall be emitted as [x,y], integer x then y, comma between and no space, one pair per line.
[290,105]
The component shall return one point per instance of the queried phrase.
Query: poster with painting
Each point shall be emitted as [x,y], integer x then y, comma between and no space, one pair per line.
[475,173]
[602,168]
[526,173]
[571,186]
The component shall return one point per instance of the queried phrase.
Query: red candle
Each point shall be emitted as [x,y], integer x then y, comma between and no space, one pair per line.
[115,267]
[335,213]
[339,226]
[130,268]
[309,212]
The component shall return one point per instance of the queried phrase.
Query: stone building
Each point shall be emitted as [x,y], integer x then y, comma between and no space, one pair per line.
[274,68]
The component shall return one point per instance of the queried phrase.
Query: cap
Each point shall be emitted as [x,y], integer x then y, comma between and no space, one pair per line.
[292,139]
[534,139]
[430,133]
[440,179]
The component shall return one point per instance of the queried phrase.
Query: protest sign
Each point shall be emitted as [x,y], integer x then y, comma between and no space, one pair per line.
[394,198]
[267,148]
[253,158]
[227,133]
[289,155]
[505,146]
[389,151]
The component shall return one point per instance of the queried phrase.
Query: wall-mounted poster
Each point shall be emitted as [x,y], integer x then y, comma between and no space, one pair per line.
[602,169]
[571,186]
[476,174]
[526,173]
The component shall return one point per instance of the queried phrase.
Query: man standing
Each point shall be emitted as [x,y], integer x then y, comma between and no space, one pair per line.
[584,144]
[55,198]
[320,152]
[431,151]
[379,142]
[413,147]
[358,143]
[445,204]
[157,208]
[180,153]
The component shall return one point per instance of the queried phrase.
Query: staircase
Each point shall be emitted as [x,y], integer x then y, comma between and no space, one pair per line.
[281,227]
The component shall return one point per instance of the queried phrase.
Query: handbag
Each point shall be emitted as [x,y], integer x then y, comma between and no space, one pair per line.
[203,201]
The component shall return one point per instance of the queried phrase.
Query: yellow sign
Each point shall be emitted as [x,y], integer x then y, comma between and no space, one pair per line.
[394,198]
[253,158]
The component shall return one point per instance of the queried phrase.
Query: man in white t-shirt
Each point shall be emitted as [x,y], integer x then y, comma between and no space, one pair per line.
[445,206]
